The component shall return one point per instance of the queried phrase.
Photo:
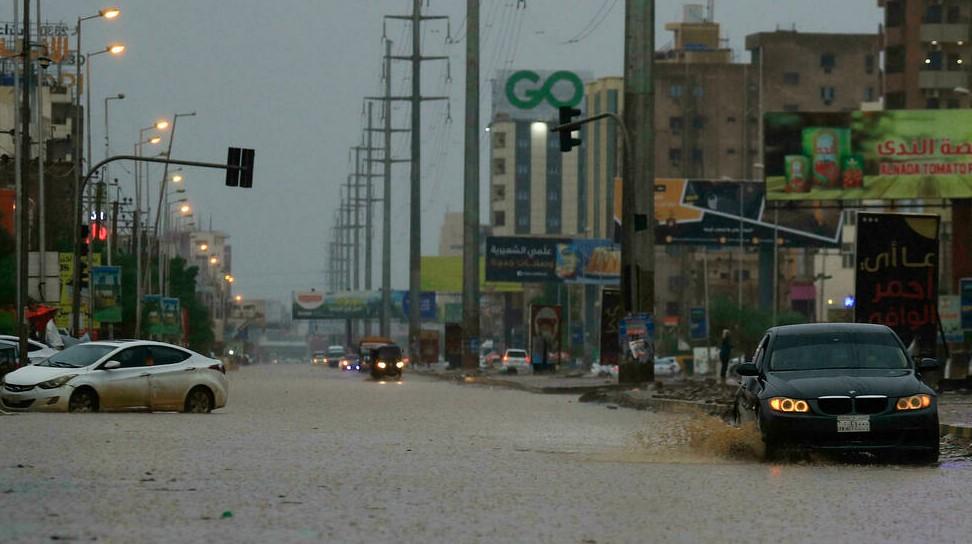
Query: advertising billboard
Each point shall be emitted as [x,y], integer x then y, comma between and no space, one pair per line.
[707,212]
[896,277]
[552,260]
[357,305]
[898,154]
[444,275]
[536,95]
[950,313]
[107,306]
[545,330]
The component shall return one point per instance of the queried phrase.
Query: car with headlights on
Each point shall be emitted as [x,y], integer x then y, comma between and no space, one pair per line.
[118,375]
[386,362]
[839,386]
[350,361]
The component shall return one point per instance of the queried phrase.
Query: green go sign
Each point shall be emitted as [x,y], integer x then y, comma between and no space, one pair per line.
[532,92]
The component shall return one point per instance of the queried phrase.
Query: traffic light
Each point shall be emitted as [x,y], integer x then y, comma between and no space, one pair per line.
[243,175]
[85,239]
[84,274]
[567,140]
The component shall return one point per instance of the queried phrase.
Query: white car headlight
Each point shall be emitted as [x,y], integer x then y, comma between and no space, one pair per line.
[381,364]
[56,382]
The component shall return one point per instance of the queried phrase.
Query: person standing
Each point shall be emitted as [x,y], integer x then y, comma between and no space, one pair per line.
[725,352]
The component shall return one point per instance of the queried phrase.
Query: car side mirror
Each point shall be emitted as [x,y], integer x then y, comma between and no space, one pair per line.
[747,369]
[927,364]
[111,365]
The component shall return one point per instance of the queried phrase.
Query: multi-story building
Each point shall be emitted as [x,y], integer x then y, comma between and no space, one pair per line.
[534,188]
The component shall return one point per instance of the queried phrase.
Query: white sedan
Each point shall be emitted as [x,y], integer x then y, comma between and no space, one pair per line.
[118,375]
[667,366]
[36,351]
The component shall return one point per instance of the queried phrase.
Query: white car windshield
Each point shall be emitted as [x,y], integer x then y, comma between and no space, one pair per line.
[77,356]
[515,353]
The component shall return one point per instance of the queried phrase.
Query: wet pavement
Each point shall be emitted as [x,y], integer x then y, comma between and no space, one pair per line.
[304,454]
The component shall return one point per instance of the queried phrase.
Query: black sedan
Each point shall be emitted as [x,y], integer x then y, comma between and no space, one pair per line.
[839,386]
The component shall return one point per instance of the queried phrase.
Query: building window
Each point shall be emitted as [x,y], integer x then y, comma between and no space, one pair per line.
[893,14]
[745,275]
[869,64]
[933,60]
[791,78]
[731,151]
[523,195]
[523,143]
[523,221]
[827,95]
[522,169]
[698,122]
[790,108]
[894,59]
[499,193]
[697,155]
[553,196]
[698,91]
[675,155]
[499,140]
[554,169]
[954,15]
[731,119]
[675,124]
[499,219]
[869,94]
[932,104]
[499,167]
[847,260]
[675,91]
[828,61]
[955,62]
[933,14]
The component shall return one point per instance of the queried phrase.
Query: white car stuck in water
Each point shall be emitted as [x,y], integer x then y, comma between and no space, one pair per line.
[118,375]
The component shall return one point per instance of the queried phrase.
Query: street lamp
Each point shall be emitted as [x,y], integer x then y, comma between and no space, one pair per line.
[214,260]
[177,178]
[238,298]
[203,247]
[115,50]
[185,209]
[107,13]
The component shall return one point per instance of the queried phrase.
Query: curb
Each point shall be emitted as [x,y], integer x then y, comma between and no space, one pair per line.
[958,431]
[676,406]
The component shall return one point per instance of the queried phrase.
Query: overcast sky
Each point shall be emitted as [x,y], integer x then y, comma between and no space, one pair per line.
[287,78]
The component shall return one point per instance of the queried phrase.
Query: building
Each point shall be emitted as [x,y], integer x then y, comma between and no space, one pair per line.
[535,189]
[450,238]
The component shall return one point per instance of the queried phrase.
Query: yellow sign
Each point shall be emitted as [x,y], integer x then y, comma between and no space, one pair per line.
[444,275]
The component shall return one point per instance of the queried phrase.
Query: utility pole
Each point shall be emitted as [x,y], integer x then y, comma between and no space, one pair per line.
[386,161]
[356,206]
[24,202]
[638,208]
[470,231]
[415,202]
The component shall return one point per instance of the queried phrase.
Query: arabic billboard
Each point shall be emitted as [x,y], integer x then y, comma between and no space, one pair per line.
[357,305]
[552,260]
[707,212]
[899,154]
[897,275]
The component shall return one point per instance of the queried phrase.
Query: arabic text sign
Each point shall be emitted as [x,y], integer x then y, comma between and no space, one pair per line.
[553,260]
[949,311]
[897,275]
[899,154]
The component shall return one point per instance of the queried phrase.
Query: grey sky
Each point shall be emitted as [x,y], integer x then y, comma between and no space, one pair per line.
[286,78]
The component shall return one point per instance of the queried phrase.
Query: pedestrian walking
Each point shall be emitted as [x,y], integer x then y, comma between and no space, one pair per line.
[725,351]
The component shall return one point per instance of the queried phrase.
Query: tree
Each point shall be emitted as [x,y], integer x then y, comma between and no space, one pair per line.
[746,325]
[182,285]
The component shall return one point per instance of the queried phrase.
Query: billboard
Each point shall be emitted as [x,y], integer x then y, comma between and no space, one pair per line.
[898,154]
[545,330]
[357,305]
[444,275]
[552,260]
[950,313]
[536,95]
[897,275]
[107,306]
[696,211]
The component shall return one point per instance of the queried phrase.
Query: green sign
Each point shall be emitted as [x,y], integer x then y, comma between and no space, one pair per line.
[898,154]
[532,92]
[107,306]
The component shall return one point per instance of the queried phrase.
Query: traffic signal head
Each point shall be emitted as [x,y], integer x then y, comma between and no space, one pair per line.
[85,234]
[84,274]
[567,140]
[233,174]
[240,171]
[246,175]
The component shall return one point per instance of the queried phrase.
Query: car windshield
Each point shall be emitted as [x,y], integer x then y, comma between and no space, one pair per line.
[335,352]
[830,350]
[389,353]
[77,356]
[515,353]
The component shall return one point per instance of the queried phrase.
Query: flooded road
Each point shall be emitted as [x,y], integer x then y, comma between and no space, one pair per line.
[304,454]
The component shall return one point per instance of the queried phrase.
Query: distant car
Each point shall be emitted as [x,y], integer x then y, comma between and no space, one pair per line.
[36,351]
[839,386]
[350,361]
[515,361]
[386,362]
[319,358]
[333,355]
[118,375]
[667,366]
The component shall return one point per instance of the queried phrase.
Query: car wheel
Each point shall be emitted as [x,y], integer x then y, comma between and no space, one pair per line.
[199,401]
[83,400]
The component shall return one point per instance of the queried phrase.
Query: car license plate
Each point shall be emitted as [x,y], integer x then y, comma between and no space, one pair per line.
[853,424]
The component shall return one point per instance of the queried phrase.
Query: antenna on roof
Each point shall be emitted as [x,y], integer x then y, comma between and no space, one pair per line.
[710,11]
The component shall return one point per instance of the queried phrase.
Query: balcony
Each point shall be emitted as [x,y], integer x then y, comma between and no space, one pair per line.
[945,33]
[940,79]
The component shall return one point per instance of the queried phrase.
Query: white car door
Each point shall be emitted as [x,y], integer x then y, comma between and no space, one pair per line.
[127,387]
[170,377]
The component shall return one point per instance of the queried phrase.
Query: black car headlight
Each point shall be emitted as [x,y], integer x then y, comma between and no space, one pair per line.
[784,404]
[914,402]
[56,382]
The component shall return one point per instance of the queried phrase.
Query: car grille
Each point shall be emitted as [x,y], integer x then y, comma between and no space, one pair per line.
[17,388]
[870,405]
[834,405]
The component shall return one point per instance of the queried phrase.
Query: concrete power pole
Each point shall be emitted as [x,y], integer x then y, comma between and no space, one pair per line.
[369,218]
[356,225]
[24,202]
[470,231]
[638,209]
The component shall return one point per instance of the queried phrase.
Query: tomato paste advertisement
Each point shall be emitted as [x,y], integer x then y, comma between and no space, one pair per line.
[889,155]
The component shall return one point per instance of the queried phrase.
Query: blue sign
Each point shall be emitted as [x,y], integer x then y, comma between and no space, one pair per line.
[698,328]
[427,311]
[965,292]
